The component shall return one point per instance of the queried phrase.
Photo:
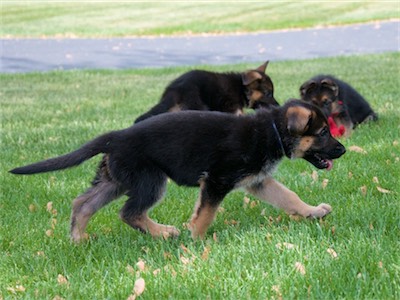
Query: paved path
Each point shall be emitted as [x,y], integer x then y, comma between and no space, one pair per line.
[27,55]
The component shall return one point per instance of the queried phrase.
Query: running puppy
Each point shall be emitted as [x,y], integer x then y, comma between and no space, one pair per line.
[338,100]
[216,151]
[225,92]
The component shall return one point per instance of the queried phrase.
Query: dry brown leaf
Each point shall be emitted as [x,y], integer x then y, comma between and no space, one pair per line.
[382,190]
[231,222]
[357,149]
[296,218]
[215,238]
[17,288]
[156,272]
[62,280]
[49,233]
[221,209]
[350,175]
[139,287]
[32,208]
[363,190]
[141,265]
[253,204]
[246,201]
[324,183]
[130,269]
[333,230]
[185,260]
[375,179]
[263,212]
[167,255]
[131,297]
[186,250]
[53,223]
[49,206]
[284,245]
[314,175]
[277,290]
[206,253]
[300,268]
[395,143]
[332,252]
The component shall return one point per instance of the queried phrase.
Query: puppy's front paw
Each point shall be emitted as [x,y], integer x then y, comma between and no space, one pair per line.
[320,211]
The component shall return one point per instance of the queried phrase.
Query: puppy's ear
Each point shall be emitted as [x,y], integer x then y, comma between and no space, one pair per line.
[307,87]
[298,119]
[331,85]
[250,76]
[263,67]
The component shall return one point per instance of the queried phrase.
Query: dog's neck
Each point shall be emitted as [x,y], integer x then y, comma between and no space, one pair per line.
[279,138]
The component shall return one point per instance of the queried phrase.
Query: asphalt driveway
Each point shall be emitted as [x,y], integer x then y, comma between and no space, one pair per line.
[30,55]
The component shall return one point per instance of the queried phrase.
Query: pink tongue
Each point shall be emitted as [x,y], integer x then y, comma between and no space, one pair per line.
[330,164]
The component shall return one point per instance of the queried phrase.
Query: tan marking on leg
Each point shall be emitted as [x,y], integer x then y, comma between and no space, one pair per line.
[202,217]
[87,204]
[145,224]
[79,220]
[280,196]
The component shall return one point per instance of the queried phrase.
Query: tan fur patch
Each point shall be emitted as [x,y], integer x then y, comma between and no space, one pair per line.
[256,95]
[250,76]
[304,145]
[298,118]
[280,196]
[202,218]
[146,224]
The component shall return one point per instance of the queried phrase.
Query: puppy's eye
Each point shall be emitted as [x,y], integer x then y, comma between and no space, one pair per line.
[324,131]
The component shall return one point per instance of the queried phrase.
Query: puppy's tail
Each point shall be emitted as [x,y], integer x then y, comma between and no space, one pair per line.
[100,144]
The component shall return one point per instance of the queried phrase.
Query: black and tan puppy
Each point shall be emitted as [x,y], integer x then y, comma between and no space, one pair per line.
[218,152]
[338,100]
[225,92]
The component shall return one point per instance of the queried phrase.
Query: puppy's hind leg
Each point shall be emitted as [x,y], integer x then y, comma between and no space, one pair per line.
[87,204]
[147,189]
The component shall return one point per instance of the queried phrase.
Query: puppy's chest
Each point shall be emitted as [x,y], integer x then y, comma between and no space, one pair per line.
[255,178]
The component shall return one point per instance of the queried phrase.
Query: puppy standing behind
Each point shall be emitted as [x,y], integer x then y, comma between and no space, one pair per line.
[216,151]
[338,100]
[225,92]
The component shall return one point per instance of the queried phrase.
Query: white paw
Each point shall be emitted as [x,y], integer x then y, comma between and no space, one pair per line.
[320,211]
[169,231]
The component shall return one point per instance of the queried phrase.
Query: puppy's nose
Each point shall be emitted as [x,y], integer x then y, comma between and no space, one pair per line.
[340,149]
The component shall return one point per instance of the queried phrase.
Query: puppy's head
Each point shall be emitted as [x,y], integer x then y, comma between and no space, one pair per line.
[322,92]
[259,88]
[306,135]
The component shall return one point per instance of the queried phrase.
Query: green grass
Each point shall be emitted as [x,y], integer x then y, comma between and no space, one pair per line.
[94,19]
[49,114]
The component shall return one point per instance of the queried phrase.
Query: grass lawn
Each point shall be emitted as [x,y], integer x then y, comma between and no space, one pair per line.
[96,19]
[252,251]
